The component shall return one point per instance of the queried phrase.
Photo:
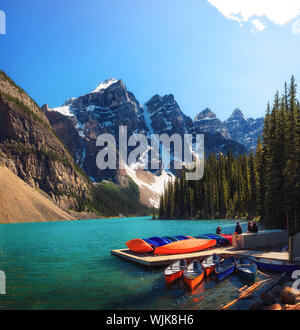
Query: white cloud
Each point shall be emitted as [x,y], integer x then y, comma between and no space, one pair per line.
[296,27]
[277,11]
[257,25]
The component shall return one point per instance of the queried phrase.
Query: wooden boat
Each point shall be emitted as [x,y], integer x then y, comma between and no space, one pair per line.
[185,246]
[210,263]
[246,269]
[225,268]
[193,274]
[139,246]
[274,265]
[175,271]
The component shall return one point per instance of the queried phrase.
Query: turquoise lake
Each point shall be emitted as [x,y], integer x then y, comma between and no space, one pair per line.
[68,265]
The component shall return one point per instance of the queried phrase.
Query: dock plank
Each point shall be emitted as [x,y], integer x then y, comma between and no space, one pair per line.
[151,260]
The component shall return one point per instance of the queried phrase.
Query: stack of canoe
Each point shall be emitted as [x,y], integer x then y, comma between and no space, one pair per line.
[176,244]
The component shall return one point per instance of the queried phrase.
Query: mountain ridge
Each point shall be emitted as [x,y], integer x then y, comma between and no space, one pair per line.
[236,127]
[111,105]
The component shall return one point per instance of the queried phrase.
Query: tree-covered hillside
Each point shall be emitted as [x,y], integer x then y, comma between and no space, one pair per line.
[110,200]
[265,185]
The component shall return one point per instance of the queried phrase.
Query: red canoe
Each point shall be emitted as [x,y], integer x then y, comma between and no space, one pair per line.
[174,271]
[229,237]
[186,246]
[210,263]
[193,274]
[139,245]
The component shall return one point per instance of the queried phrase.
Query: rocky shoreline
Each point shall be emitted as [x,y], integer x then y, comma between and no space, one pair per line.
[276,294]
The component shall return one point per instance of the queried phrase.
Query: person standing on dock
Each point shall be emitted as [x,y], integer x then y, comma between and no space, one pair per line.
[238,229]
[250,226]
[254,227]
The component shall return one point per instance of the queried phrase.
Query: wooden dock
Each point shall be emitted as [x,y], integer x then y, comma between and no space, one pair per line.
[150,260]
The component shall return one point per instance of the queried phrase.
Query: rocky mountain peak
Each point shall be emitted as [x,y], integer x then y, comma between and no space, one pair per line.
[237,114]
[154,100]
[45,108]
[205,114]
[158,102]
[207,121]
[69,101]
[104,85]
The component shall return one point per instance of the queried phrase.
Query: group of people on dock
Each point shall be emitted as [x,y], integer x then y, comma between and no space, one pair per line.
[252,228]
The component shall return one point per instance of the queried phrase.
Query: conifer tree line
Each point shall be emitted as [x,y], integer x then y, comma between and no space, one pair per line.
[264,184]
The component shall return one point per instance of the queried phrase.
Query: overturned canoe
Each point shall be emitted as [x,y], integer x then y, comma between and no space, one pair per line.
[139,246]
[228,237]
[220,240]
[158,241]
[186,246]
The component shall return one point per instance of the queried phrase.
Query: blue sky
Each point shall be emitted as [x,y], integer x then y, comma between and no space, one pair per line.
[205,54]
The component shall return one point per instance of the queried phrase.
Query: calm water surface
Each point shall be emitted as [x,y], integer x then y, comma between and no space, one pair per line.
[68,265]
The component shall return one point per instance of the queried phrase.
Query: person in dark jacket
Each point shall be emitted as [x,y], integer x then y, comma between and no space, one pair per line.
[250,226]
[254,227]
[238,229]
[219,231]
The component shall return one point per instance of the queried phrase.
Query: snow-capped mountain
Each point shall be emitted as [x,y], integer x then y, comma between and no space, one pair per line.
[80,120]
[237,127]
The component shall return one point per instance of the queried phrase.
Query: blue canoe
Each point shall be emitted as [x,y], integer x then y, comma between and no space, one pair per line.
[220,240]
[246,268]
[225,268]
[159,241]
[182,238]
[274,265]
[171,238]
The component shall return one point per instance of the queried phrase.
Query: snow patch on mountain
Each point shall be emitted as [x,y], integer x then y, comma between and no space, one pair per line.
[149,183]
[104,85]
[64,110]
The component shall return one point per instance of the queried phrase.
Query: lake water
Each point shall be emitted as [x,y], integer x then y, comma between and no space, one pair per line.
[68,265]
